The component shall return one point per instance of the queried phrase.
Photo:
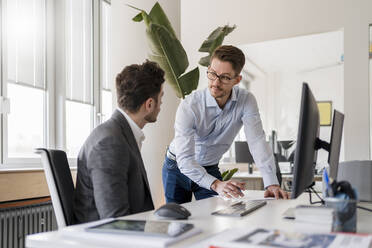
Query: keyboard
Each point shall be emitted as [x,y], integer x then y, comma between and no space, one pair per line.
[240,208]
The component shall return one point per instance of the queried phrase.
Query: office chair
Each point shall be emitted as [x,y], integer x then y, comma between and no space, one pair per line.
[60,184]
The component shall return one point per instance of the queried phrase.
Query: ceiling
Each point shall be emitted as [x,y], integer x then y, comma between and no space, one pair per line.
[303,53]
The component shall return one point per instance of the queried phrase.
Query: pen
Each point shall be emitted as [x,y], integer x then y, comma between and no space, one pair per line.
[326,181]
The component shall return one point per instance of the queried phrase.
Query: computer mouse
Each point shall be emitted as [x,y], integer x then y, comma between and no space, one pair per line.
[172,211]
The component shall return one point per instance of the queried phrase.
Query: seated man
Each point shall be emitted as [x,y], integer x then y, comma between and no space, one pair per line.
[111,178]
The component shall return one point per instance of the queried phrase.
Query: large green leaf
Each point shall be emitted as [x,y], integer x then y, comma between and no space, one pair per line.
[227,175]
[213,41]
[189,81]
[167,51]
[159,17]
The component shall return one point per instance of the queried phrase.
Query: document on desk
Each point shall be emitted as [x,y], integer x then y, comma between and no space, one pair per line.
[258,237]
[115,233]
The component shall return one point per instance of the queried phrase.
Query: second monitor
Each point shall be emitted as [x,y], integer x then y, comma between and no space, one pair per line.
[242,153]
[308,143]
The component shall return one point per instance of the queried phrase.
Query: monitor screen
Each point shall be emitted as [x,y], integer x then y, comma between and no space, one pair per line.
[334,149]
[242,153]
[308,133]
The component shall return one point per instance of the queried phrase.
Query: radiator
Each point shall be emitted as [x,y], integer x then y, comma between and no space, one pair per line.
[17,222]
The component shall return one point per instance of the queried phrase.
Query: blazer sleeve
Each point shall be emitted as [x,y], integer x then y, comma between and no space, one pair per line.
[109,165]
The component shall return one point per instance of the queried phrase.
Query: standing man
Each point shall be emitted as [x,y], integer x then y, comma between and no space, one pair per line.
[207,122]
[111,178]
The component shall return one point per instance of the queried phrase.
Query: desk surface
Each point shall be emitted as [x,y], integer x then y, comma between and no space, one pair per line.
[257,174]
[269,216]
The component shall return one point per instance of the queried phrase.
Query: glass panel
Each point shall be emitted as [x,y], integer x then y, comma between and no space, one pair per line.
[25,121]
[26,41]
[79,51]
[78,126]
[105,45]
[275,70]
[106,104]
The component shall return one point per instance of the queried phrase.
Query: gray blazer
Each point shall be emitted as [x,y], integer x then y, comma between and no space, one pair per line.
[111,178]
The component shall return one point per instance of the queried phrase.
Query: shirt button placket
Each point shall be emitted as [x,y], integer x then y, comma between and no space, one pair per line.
[219,120]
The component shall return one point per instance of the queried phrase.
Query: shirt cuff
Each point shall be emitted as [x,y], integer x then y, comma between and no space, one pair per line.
[269,179]
[206,181]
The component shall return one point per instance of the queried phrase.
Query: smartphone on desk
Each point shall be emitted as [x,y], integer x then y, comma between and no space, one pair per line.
[142,227]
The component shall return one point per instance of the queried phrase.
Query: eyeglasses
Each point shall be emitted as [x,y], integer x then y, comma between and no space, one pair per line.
[223,78]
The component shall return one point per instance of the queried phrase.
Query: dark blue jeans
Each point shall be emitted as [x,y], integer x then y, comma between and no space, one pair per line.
[179,188]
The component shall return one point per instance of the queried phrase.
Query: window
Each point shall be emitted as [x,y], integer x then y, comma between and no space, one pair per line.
[23,82]
[42,105]
[106,85]
[79,81]
[78,126]
[25,121]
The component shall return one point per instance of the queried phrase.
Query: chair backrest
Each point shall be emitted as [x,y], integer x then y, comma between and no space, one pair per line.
[60,184]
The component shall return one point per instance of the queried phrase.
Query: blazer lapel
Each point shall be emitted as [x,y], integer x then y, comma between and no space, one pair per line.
[127,132]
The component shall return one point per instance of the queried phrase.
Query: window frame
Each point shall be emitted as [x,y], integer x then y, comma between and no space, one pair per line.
[93,118]
[19,163]
[54,77]
[100,115]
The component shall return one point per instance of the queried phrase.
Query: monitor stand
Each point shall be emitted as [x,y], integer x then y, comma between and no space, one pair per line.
[289,213]
[310,190]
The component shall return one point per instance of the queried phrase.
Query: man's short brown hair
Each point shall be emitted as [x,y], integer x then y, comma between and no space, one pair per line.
[230,54]
[136,83]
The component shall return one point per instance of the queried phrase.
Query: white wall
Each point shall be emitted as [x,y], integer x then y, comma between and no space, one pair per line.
[129,46]
[262,20]
[325,84]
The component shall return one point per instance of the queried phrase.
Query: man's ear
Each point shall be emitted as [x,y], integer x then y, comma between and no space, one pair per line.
[149,104]
[238,79]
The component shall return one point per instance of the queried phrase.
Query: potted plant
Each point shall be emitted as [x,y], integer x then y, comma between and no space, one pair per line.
[168,52]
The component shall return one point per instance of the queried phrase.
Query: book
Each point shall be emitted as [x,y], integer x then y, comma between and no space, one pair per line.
[314,219]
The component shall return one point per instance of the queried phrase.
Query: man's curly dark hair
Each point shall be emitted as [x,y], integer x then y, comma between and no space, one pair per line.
[136,83]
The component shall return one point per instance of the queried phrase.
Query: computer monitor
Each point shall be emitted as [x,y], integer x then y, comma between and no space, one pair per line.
[335,145]
[308,143]
[306,153]
[242,153]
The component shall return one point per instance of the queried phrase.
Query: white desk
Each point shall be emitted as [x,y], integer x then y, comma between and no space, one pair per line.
[254,180]
[269,216]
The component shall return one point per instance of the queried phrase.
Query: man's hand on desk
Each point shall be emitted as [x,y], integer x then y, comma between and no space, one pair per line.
[276,191]
[228,188]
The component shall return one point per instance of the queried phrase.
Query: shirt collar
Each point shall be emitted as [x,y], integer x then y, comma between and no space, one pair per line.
[211,102]
[234,93]
[137,131]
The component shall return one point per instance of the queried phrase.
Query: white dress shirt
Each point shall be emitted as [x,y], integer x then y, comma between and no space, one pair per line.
[137,131]
[204,132]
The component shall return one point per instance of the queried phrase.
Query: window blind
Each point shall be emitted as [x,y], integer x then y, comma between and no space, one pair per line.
[26,45]
[106,44]
[79,83]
